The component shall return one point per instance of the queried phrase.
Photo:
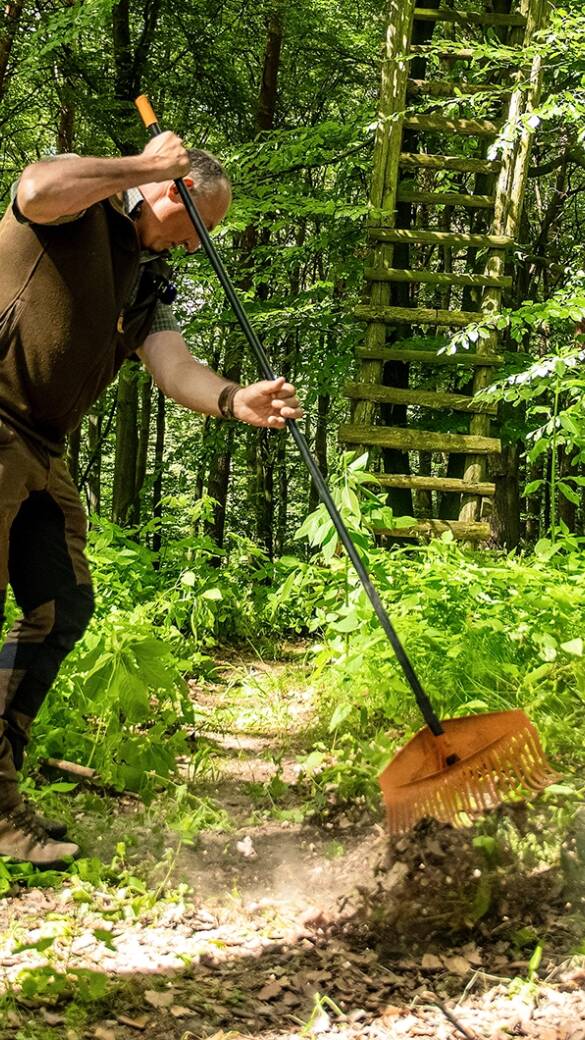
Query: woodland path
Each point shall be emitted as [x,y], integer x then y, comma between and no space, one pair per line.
[282,926]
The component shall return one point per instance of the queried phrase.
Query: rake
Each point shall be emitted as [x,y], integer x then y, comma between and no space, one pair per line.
[453,768]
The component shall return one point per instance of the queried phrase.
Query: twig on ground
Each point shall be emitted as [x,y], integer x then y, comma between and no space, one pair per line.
[431,998]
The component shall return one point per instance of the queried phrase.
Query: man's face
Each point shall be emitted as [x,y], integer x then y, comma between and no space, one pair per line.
[166,223]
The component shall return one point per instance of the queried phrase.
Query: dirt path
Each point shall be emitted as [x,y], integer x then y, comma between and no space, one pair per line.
[279,926]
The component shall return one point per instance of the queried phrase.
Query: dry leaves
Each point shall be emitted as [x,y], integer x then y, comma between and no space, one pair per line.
[134,1023]
[103,1033]
[159,998]
[271,990]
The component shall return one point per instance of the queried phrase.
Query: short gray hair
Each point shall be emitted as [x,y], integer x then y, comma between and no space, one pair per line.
[207,171]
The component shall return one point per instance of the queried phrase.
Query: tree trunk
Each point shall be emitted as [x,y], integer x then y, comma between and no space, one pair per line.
[323,403]
[9,22]
[124,485]
[264,120]
[143,439]
[94,433]
[159,447]
[505,519]
[73,449]
[265,490]
[567,511]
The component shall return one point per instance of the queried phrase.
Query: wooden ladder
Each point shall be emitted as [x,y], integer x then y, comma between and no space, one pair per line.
[444,219]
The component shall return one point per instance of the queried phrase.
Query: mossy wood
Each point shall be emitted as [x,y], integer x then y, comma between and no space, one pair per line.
[466,532]
[408,439]
[445,198]
[410,279]
[415,316]
[446,125]
[430,357]
[447,484]
[459,163]
[468,17]
[441,238]
[453,88]
[405,274]
[421,398]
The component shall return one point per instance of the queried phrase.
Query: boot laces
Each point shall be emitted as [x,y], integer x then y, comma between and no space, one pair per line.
[25,819]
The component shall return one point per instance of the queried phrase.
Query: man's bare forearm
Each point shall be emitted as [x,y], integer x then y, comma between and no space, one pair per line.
[193,385]
[64,187]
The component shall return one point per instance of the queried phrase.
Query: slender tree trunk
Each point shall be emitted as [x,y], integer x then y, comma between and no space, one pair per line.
[73,450]
[124,489]
[264,120]
[130,60]
[505,520]
[9,24]
[567,511]
[143,439]
[94,433]
[265,490]
[281,530]
[323,403]
[159,447]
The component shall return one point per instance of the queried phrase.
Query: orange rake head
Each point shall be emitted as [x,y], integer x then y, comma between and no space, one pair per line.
[476,763]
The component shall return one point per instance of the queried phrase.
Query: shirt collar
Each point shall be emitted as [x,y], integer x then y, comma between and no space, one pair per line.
[133,199]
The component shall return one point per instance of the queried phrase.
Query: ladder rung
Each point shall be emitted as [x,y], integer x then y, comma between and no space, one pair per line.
[422,398]
[404,274]
[413,160]
[422,14]
[446,198]
[445,125]
[419,440]
[415,315]
[452,89]
[460,529]
[446,484]
[429,357]
[441,238]
[502,55]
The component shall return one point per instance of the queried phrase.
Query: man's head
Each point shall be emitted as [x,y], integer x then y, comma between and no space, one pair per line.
[164,222]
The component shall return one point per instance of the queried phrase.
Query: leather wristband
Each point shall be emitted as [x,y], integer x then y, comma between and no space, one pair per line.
[225,401]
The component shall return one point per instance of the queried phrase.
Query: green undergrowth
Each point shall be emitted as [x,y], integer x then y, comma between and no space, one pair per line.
[96,899]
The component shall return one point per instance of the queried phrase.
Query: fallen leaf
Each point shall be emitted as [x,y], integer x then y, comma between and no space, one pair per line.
[271,990]
[181,1012]
[430,962]
[135,1023]
[457,964]
[52,1018]
[159,999]
[101,1033]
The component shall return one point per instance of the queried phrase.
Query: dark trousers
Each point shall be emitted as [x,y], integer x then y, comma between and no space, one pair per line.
[42,542]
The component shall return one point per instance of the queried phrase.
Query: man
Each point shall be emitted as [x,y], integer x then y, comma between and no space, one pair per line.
[83,285]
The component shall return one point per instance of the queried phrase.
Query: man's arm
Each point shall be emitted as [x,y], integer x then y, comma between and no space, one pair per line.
[64,187]
[197,387]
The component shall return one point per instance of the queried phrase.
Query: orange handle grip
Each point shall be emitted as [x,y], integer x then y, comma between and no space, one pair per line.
[145,110]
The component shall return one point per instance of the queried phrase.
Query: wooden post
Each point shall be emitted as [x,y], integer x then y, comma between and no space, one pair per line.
[509,195]
[385,178]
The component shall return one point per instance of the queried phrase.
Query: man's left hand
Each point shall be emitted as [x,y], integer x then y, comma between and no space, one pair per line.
[267,403]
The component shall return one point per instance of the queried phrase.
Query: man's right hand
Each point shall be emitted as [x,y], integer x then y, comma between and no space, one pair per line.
[167,158]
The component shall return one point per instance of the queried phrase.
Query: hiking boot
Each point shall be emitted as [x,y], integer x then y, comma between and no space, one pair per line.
[23,839]
[54,828]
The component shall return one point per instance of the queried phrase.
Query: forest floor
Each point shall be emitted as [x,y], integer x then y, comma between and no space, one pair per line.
[276,921]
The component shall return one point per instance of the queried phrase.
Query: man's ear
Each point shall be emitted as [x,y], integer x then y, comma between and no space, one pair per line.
[173,191]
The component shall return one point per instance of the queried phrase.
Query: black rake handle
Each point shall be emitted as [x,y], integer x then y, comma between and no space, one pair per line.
[150,122]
